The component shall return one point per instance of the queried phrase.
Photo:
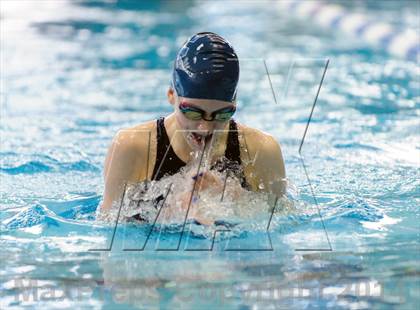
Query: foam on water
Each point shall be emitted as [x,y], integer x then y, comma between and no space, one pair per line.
[233,207]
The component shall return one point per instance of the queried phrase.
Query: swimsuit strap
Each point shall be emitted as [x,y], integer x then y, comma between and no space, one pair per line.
[233,162]
[232,152]
[167,162]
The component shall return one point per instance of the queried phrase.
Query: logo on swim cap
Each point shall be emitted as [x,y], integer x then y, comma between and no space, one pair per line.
[206,67]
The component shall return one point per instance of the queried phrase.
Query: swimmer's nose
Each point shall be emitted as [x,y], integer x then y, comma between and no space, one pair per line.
[205,126]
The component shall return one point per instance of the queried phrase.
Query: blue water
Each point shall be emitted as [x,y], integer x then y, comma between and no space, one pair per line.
[74,73]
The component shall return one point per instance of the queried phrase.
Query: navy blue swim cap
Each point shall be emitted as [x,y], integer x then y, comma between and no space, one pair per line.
[206,67]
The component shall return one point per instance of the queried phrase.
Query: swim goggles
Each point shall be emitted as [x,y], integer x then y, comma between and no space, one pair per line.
[196,114]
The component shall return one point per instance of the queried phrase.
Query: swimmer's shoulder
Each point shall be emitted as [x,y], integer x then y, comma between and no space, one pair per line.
[255,140]
[137,144]
[136,137]
[263,160]
[126,161]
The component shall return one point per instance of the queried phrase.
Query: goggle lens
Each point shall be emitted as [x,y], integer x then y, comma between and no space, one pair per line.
[195,114]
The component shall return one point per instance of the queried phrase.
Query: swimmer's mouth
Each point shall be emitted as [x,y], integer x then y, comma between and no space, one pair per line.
[199,138]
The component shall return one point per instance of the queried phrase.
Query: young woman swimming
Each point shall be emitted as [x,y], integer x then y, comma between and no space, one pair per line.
[203,96]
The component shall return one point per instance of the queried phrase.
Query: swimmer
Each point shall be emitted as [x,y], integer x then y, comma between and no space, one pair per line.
[203,95]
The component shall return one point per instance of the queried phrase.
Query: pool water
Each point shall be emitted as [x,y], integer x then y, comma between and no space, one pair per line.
[74,73]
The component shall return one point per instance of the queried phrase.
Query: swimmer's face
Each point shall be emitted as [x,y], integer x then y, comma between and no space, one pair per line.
[197,132]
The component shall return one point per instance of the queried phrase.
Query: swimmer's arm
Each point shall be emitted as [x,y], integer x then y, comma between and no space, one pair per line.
[269,167]
[120,168]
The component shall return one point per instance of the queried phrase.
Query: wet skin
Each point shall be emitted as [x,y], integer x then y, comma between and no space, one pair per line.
[131,157]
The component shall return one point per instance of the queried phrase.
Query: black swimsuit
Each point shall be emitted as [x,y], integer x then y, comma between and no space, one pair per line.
[171,163]
[168,163]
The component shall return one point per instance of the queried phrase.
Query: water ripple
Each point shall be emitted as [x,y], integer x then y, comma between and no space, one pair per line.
[35,166]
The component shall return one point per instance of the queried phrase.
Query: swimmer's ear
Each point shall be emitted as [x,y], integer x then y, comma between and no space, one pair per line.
[171,95]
